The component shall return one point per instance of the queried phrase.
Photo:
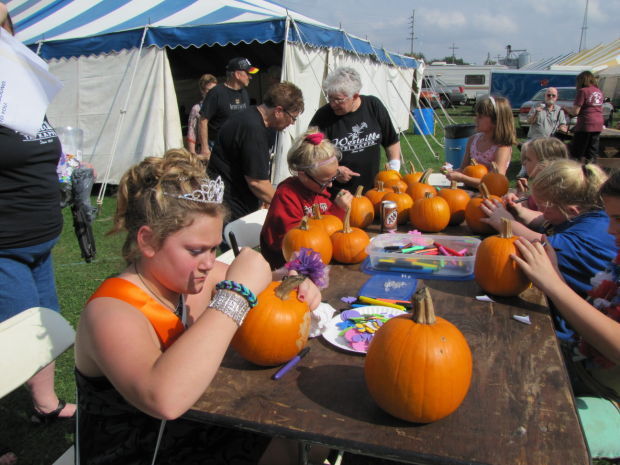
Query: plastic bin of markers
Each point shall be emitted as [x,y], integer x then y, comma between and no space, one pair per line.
[424,266]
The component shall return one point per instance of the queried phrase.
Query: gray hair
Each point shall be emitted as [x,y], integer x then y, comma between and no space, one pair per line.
[342,81]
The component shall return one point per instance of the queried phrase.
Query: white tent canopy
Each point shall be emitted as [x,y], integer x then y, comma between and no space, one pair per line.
[114,58]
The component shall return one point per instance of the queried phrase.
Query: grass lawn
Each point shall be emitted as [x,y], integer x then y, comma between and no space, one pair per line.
[76,280]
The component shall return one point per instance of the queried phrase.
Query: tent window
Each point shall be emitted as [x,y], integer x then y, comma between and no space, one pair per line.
[474,79]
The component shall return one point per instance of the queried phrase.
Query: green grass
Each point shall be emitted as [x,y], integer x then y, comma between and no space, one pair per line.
[76,280]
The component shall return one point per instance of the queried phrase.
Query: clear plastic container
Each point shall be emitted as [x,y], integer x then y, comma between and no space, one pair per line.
[444,266]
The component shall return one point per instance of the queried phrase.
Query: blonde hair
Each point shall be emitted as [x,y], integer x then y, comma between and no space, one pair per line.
[567,182]
[546,148]
[306,156]
[147,197]
[206,79]
[500,112]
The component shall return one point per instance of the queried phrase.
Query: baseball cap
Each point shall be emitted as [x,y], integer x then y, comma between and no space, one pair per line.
[241,64]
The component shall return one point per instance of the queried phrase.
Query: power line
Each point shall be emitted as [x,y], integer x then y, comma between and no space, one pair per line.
[584,28]
[454,47]
[412,36]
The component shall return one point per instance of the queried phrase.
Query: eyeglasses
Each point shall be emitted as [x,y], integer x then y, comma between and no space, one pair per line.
[337,101]
[294,118]
[552,95]
[321,185]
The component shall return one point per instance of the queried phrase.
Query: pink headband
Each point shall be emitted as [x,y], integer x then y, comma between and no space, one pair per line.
[316,138]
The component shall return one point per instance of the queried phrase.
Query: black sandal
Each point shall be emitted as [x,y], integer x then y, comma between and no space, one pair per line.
[47,418]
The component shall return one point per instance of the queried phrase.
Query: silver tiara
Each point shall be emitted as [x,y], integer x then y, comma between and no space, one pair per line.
[211,191]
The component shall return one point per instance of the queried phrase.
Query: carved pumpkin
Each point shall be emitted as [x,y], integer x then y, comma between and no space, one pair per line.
[494,270]
[312,238]
[387,175]
[473,213]
[418,367]
[277,328]
[496,182]
[457,201]
[475,170]
[350,244]
[403,203]
[430,214]
[330,223]
[413,175]
[416,190]
[376,195]
[362,209]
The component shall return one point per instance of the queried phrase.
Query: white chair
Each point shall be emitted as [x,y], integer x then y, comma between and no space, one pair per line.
[30,341]
[246,229]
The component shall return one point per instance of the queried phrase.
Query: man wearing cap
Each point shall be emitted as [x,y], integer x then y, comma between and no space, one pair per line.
[224,100]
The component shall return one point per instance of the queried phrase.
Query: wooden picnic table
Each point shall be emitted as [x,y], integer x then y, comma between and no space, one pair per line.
[519,409]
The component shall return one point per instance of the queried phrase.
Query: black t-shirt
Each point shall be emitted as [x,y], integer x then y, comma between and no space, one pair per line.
[243,148]
[220,103]
[359,136]
[29,189]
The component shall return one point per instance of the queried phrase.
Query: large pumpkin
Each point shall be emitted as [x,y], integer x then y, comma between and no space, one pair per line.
[277,328]
[430,214]
[403,203]
[376,194]
[494,270]
[362,209]
[496,182]
[457,201]
[474,214]
[350,244]
[330,223]
[417,190]
[387,175]
[312,238]
[475,170]
[418,368]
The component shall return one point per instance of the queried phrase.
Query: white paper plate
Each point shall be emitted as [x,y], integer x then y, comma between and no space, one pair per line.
[332,331]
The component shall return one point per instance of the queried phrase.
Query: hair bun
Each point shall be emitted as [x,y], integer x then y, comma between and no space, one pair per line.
[316,138]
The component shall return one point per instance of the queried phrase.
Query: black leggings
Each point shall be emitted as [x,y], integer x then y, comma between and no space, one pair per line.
[585,146]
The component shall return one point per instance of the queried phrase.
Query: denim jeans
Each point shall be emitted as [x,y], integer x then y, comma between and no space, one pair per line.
[27,279]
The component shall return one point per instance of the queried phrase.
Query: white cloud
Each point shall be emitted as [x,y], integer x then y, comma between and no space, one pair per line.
[442,19]
[487,24]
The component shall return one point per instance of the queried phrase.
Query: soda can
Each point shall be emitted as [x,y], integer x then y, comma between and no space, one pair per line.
[389,216]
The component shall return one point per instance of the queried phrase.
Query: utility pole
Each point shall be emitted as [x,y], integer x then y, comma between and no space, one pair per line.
[584,27]
[454,47]
[412,36]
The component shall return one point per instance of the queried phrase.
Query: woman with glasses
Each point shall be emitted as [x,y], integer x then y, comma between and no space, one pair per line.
[546,118]
[313,160]
[588,107]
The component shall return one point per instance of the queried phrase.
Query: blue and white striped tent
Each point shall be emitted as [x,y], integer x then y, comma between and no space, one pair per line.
[113,58]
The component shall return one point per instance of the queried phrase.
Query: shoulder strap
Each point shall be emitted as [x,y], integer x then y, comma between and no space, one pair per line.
[167,325]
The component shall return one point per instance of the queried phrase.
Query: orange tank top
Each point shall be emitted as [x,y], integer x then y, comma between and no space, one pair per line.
[167,325]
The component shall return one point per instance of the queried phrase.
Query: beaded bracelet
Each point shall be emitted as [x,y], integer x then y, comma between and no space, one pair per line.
[239,289]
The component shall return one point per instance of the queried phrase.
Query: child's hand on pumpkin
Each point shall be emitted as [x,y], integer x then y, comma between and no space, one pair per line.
[250,269]
[344,199]
[495,211]
[536,263]
[308,292]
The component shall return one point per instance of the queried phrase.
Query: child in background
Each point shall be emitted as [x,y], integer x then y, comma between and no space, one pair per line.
[313,161]
[595,374]
[492,143]
[567,194]
[205,84]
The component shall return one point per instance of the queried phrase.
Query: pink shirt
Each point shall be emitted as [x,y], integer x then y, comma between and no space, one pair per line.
[484,158]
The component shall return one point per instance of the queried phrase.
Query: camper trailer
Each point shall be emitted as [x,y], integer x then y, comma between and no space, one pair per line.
[475,80]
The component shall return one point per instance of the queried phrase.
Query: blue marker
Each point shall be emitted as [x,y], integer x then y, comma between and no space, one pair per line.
[291,363]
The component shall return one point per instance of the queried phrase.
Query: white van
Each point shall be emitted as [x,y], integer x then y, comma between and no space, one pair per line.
[475,80]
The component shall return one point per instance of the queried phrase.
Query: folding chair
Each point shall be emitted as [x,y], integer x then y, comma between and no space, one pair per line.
[30,341]
[247,232]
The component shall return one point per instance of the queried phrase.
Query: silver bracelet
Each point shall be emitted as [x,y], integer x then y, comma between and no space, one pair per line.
[230,304]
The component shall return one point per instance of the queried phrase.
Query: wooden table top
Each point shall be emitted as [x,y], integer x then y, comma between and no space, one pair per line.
[519,409]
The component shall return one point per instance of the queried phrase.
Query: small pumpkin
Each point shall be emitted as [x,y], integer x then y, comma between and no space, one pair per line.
[413,175]
[496,182]
[494,270]
[387,174]
[430,214]
[330,223]
[475,170]
[350,244]
[473,212]
[418,367]
[277,328]
[403,203]
[312,238]
[376,194]
[416,190]
[362,209]
[457,201]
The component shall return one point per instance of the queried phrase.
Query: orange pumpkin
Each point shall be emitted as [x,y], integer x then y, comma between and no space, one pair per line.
[403,203]
[430,214]
[376,195]
[413,175]
[312,238]
[457,201]
[418,367]
[416,190]
[387,175]
[494,270]
[277,328]
[362,209]
[475,170]
[496,182]
[330,223]
[473,212]
[350,244]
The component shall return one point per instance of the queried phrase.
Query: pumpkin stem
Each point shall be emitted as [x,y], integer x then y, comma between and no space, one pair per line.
[428,195]
[285,287]
[506,229]
[387,167]
[303,225]
[473,162]
[347,222]
[425,175]
[358,192]
[423,309]
[494,167]
[396,188]
[412,170]
[316,211]
[453,185]
[380,186]
[484,191]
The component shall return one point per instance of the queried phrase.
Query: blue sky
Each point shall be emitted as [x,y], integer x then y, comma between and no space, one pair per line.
[545,28]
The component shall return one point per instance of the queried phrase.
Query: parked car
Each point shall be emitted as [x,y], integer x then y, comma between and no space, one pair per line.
[435,91]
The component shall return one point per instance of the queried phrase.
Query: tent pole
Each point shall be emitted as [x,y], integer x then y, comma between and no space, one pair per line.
[119,125]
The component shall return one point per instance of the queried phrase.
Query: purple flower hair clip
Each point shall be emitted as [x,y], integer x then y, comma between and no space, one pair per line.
[307,262]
